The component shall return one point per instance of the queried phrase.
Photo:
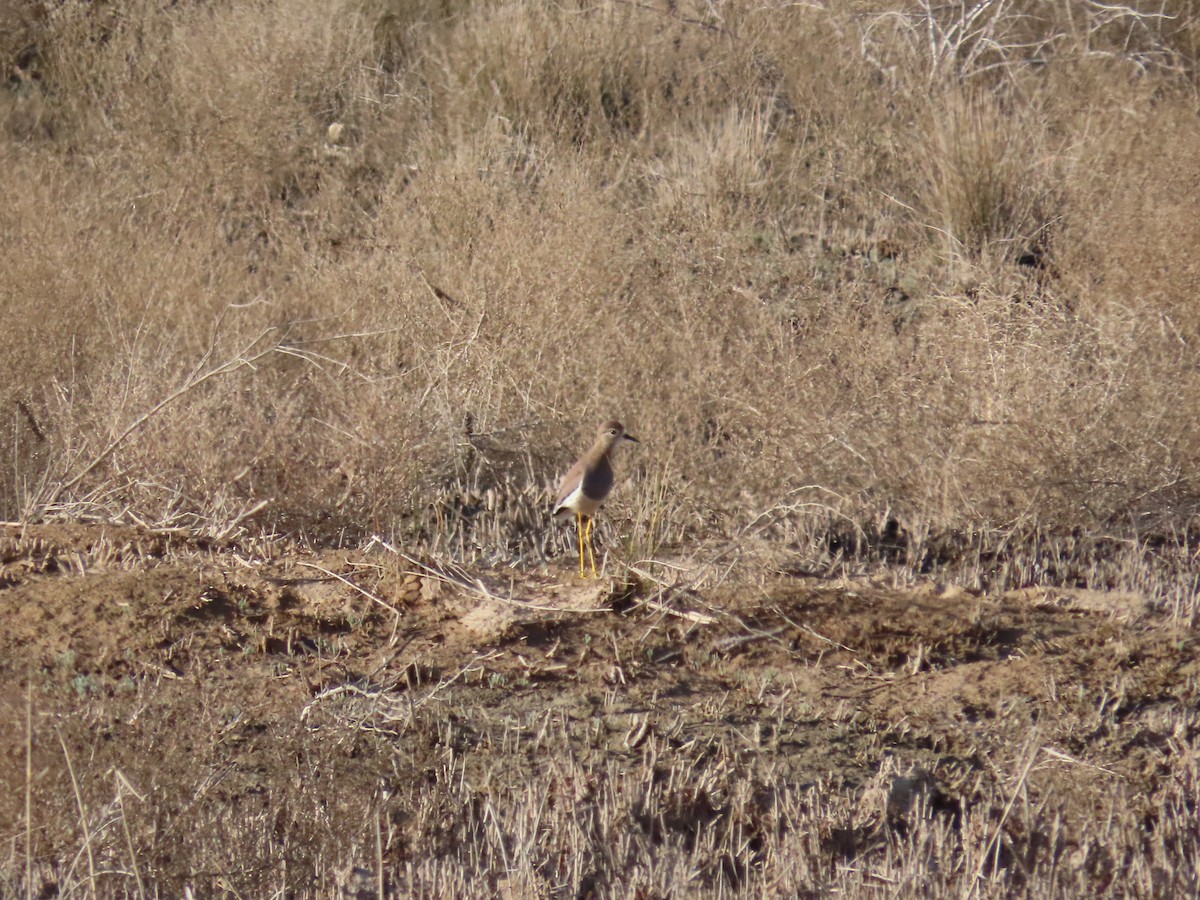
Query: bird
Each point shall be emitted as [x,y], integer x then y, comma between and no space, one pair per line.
[587,484]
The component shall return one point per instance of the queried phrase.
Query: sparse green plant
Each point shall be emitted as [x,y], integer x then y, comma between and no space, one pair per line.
[84,684]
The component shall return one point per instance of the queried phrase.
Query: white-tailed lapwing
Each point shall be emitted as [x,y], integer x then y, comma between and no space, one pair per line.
[587,484]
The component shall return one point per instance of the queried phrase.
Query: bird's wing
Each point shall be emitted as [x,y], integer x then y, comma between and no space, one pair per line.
[569,483]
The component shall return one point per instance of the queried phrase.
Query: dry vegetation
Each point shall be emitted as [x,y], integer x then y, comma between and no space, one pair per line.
[268,722]
[884,287]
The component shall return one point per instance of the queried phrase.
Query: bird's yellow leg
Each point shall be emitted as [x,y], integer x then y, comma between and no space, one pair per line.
[579,533]
[591,548]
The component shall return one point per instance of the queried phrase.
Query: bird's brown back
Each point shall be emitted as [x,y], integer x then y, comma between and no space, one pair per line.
[593,468]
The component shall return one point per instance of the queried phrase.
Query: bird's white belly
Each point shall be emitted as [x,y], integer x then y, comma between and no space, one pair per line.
[577,502]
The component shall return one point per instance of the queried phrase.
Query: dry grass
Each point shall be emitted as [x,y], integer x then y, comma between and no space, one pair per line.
[934,260]
[886,286]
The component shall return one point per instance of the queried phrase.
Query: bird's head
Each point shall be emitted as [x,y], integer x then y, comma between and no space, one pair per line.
[612,434]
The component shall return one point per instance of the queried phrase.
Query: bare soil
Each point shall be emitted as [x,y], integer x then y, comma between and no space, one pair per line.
[251,720]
